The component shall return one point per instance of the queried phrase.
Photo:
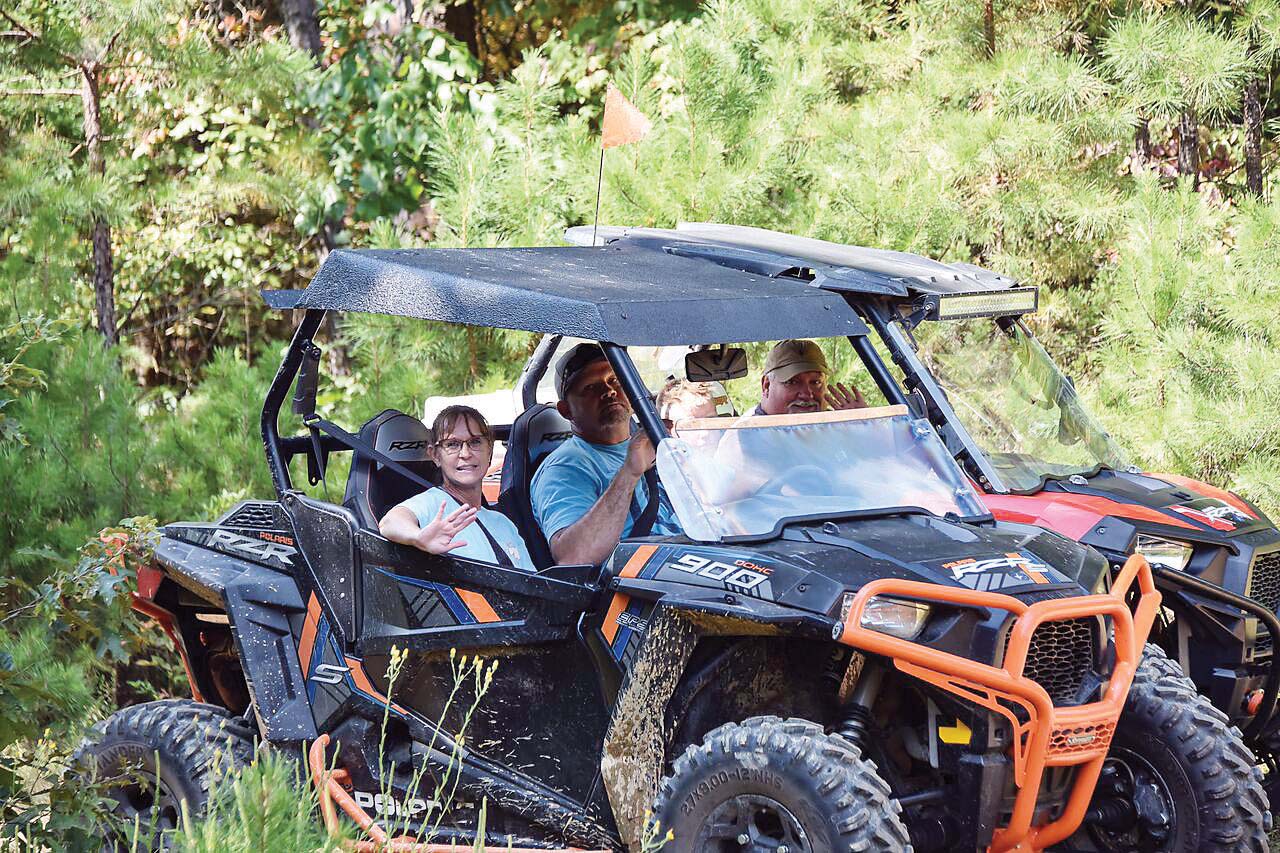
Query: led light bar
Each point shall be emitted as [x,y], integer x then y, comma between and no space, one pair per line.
[987,303]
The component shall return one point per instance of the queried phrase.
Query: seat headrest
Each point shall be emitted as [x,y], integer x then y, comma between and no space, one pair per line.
[547,429]
[372,488]
[402,437]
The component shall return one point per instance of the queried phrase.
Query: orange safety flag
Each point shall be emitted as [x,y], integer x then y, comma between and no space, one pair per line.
[623,123]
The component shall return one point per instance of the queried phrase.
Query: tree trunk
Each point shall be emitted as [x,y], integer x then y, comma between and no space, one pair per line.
[404,13]
[302,25]
[989,27]
[459,19]
[104,296]
[1252,138]
[1189,146]
[1142,142]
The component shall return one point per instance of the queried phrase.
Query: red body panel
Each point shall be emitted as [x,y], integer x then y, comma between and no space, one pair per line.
[1072,515]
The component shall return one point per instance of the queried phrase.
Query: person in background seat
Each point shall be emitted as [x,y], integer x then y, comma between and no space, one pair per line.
[680,399]
[795,380]
[590,491]
[432,520]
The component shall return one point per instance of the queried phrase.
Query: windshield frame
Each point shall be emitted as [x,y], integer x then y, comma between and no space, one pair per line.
[891,326]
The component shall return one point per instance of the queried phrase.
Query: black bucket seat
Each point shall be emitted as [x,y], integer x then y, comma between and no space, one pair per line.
[373,488]
[538,430]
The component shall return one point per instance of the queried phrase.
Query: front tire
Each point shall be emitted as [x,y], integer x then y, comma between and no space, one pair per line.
[766,784]
[150,759]
[1178,776]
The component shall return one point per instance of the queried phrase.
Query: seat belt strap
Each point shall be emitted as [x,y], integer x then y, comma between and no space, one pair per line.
[367,449]
[500,555]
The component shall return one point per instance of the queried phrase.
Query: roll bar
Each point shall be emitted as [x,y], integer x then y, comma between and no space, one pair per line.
[277,455]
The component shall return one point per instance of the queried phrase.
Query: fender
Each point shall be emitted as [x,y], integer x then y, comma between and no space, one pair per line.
[258,602]
[635,743]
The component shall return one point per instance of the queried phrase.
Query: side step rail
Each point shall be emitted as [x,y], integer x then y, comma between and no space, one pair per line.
[330,789]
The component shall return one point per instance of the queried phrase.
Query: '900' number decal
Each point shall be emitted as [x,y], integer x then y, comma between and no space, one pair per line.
[715,570]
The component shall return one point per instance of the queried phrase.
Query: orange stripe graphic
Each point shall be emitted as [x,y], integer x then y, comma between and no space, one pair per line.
[478,605]
[1037,576]
[309,628]
[620,601]
[362,681]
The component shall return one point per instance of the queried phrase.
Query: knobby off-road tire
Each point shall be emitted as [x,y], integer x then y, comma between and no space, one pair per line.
[194,745]
[1175,757]
[766,783]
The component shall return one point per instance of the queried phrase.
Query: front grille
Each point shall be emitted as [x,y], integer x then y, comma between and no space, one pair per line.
[1264,580]
[1061,656]
[1077,739]
[257,515]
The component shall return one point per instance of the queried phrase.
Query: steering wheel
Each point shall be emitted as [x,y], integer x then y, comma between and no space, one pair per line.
[775,484]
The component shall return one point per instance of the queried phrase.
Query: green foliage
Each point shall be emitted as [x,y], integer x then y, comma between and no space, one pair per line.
[869,122]
[1166,63]
[208,447]
[64,625]
[372,105]
[268,807]
[1190,333]
[81,465]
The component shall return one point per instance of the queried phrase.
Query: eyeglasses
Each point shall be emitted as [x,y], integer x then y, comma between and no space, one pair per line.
[453,446]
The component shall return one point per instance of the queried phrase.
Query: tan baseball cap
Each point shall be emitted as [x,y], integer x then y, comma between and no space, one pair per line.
[793,357]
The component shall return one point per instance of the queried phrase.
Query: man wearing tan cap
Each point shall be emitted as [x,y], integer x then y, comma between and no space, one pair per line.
[795,381]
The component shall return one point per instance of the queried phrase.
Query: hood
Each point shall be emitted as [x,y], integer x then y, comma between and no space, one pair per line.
[1186,507]
[812,564]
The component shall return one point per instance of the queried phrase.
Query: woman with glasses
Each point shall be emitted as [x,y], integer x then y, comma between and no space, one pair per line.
[433,519]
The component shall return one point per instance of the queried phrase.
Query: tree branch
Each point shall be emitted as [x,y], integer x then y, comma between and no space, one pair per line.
[21,26]
[111,42]
[34,36]
[39,92]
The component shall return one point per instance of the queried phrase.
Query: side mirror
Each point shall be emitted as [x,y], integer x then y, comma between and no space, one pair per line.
[716,365]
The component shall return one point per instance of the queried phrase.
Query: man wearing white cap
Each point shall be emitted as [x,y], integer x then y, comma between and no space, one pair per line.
[795,381]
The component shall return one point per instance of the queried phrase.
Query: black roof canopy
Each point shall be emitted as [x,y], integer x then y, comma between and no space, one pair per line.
[629,294]
[838,267]
[697,283]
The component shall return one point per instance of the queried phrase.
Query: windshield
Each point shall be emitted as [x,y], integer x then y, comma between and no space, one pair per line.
[1015,402]
[742,476]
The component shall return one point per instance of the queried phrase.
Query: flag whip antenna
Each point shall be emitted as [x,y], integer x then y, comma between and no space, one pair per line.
[595,223]
[622,125]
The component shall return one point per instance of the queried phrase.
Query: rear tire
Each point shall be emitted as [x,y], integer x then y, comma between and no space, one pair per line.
[777,783]
[152,758]
[1178,776]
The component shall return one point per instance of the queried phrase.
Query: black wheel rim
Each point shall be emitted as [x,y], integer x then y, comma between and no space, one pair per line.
[1132,807]
[752,823]
[145,814]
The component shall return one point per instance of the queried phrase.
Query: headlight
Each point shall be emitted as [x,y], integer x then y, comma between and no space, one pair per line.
[1164,552]
[891,616]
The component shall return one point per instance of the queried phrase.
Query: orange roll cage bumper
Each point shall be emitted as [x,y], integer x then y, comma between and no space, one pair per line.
[1051,736]
[329,785]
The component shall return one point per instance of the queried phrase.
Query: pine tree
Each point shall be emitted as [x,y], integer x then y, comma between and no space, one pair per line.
[1174,68]
[1259,25]
[133,59]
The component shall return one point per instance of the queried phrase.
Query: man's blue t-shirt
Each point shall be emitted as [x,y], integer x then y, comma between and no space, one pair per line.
[575,475]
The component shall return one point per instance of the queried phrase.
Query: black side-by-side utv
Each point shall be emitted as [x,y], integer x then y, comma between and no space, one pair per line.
[844,651]
[967,362]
